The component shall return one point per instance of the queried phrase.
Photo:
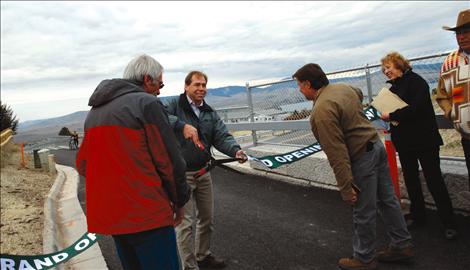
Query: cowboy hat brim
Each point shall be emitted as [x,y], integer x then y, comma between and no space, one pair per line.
[449,28]
[467,25]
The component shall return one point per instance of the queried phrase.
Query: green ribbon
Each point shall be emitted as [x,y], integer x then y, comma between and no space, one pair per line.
[47,261]
[275,161]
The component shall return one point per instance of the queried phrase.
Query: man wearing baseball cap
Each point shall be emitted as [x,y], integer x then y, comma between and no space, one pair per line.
[453,91]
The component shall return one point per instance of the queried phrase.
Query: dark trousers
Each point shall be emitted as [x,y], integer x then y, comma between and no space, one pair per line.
[466,151]
[154,249]
[430,163]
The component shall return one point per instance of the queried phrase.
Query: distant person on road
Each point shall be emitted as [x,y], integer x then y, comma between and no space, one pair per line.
[359,162]
[417,139]
[75,139]
[198,127]
[453,91]
[135,181]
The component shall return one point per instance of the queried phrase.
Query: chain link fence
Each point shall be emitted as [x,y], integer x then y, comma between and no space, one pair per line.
[277,103]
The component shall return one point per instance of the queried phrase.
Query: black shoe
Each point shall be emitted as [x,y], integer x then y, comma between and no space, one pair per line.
[211,262]
[451,234]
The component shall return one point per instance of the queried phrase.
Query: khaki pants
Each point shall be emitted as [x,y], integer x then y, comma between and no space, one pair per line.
[195,246]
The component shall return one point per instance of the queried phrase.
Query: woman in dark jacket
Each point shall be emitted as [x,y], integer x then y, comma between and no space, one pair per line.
[417,138]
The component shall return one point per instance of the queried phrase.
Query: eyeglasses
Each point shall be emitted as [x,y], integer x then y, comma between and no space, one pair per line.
[160,83]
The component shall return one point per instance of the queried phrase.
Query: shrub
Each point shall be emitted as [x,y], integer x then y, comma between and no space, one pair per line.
[8,119]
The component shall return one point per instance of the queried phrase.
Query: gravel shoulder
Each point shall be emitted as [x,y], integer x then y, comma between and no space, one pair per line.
[23,192]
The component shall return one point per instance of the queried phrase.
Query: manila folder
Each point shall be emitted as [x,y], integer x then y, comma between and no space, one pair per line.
[387,102]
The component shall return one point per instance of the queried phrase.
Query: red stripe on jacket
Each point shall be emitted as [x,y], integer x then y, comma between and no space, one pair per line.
[124,192]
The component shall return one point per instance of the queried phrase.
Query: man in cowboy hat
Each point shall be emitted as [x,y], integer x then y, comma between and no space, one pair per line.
[453,91]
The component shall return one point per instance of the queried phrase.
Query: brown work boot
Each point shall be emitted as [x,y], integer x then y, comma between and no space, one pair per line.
[395,255]
[355,264]
[211,262]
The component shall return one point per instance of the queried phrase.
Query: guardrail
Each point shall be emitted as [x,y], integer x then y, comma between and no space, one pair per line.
[6,136]
[442,123]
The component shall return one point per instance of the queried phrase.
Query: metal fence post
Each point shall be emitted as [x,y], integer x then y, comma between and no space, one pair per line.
[225,116]
[252,114]
[369,84]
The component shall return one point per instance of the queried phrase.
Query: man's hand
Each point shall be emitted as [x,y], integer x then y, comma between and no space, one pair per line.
[351,197]
[241,154]
[190,132]
[178,216]
[352,200]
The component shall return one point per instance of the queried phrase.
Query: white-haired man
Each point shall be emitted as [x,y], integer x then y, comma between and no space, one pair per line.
[135,174]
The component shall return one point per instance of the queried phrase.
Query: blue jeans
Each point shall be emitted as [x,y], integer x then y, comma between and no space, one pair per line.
[372,175]
[154,249]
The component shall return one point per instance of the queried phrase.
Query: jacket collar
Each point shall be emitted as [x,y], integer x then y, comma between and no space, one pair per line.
[183,102]
[108,90]
[320,91]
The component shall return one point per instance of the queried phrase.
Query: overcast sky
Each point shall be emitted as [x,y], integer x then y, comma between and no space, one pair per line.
[54,54]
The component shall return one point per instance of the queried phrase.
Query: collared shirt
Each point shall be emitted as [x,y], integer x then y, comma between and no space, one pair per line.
[195,107]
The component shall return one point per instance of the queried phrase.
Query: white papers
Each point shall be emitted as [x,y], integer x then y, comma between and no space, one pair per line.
[387,102]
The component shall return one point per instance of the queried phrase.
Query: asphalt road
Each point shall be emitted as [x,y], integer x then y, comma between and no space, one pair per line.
[265,224]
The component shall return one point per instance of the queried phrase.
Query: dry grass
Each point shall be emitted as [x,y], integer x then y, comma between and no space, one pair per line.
[452,139]
[23,192]
[452,143]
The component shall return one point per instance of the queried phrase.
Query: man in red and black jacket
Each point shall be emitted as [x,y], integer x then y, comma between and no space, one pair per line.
[135,174]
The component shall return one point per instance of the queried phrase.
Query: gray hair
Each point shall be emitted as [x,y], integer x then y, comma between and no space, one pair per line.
[140,66]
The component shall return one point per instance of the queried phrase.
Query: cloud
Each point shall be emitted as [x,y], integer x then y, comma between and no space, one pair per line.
[54,50]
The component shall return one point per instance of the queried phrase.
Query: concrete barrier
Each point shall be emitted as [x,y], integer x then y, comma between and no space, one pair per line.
[65,222]
[43,159]
[51,163]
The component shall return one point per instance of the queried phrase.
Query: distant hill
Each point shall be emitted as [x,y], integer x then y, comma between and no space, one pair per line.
[226,91]
[37,130]
[69,118]
[263,98]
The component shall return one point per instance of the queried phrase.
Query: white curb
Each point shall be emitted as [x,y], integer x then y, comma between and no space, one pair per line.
[65,222]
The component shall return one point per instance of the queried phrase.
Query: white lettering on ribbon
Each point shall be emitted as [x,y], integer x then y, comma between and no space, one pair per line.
[92,236]
[24,265]
[267,162]
[369,114]
[316,147]
[288,157]
[39,264]
[82,244]
[7,264]
[60,257]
